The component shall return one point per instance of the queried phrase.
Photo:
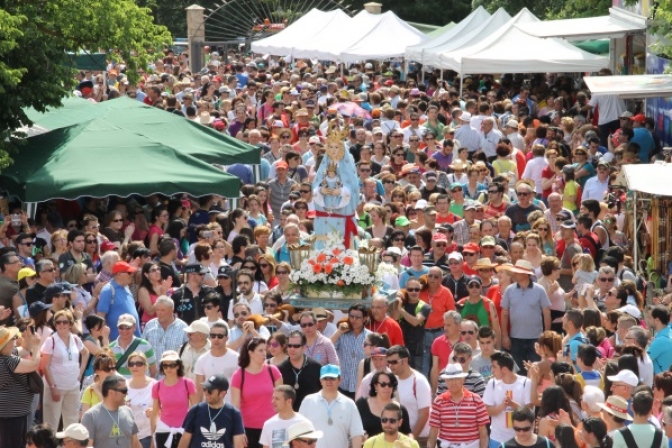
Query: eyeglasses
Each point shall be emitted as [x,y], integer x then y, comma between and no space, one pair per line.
[125,327]
[307,324]
[413,289]
[61,322]
[122,390]
[607,279]
[388,419]
[118,220]
[136,363]
[523,429]
[270,305]
[523,193]
[281,272]
[217,336]
[172,365]
[89,241]
[383,384]
[242,313]
[309,441]
[294,345]
[30,243]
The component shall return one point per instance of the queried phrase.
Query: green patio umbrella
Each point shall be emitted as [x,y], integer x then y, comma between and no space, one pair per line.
[186,136]
[98,158]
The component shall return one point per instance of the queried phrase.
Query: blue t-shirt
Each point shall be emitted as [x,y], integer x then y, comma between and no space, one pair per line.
[408,273]
[123,303]
[573,347]
[660,350]
[197,218]
[226,423]
[646,143]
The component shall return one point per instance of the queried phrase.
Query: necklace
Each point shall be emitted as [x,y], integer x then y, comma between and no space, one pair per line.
[296,374]
[456,408]
[377,329]
[212,419]
[116,430]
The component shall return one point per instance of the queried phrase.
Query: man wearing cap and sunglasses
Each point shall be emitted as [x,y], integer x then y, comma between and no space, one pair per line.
[116,298]
[213,423]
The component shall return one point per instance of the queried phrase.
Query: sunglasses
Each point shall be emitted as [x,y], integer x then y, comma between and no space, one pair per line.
[294,345]
[473,286]
[399,239]
[459,359]
[61,322]
[393,362]
[388,181]
[265,265]
[307,324]
[607,279]
[470,332]
[308,441]
[117,220]
[383,384]
[281,272]
[172,365]
[242,313]
[388,419]
[209,306]
[136,363]
[122,390]
[542,229]
[413,289]
[270,305]
[523,429]
[217,336]
[441,245]
[124,327]
[523,193]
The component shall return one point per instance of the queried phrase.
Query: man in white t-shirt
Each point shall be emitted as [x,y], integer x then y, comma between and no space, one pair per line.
[274,432]
[610,109]
[503,394]
[414,391]
[219,360]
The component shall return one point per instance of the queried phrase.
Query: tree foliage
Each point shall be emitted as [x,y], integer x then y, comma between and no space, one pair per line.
[35,36]
[550,9]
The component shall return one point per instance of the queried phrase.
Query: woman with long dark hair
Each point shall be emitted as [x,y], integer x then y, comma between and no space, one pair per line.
[250,264]
[236,222]
[383,387]
[553,399]
[160,217]
[96,341]
[251,385]
[151,287]
[594,434]
[177,230]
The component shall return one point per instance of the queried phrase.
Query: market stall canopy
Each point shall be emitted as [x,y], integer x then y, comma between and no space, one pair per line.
[509,50]
[99,159]
[616,24]
[87,61]
[387,39]
[433,56]
[631,86]
[435,32]
[651,178]
[469,23]
[187,136]
[330,42]
[304,28]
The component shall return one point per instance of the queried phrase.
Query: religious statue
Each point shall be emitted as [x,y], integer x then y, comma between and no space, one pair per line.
[336,190]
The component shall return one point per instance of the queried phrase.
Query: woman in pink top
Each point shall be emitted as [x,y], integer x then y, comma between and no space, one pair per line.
[251,385]
[172,396]
[160,217]
[151,287]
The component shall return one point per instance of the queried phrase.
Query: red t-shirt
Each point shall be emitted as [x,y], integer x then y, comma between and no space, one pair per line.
[546,173]
[442,348]
[390,327]
[450,218]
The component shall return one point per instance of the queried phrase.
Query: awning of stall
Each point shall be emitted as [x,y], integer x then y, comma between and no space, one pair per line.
[616,24]
[631,86]
[649,178]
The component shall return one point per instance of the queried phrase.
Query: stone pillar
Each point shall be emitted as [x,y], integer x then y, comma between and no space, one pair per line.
[373,7]
[196,35]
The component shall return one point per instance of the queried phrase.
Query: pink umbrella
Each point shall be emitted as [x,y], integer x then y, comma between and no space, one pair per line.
[352,109]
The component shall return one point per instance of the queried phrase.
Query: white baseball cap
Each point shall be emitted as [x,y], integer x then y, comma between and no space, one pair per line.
[75,431]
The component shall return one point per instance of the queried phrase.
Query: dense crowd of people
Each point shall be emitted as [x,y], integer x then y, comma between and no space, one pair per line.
[500,216]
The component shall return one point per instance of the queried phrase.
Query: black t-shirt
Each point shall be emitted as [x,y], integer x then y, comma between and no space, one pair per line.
[542,442]
[224,301]
[187,307]
[427,193]
[66,260]
[227,422]
[519,215]
[457,286]
[35,293]
[167,270]
[371,423]
[309,379]
[414,336]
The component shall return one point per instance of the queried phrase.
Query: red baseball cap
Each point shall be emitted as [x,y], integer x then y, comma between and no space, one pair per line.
[438,236]
[471,247]
[122,266]
[639,118]
[107,246]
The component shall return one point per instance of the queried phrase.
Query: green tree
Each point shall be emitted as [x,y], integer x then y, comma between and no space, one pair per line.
[36,34]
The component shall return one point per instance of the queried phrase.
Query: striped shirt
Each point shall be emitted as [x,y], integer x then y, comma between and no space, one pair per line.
[473,382]
[350,350]
[458,422]
[144,347]
[322,351]
[279,194]
[171,338]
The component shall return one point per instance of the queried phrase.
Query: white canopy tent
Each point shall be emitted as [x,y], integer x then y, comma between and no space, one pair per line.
[469,23]
[509,50]
[283,43]
[339,34]
[631,86]
[433,56]
[616,24]
[387,39]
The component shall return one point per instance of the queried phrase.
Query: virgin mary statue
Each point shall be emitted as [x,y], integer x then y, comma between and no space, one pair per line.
[336,191]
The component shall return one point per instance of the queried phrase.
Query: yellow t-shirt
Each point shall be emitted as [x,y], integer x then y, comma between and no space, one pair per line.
[571,189]
[379,441]
[90,396]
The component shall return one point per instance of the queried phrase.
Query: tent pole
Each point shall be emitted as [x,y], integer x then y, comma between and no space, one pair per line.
[256,170]
[635,251]
[31,209]
[461,82]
